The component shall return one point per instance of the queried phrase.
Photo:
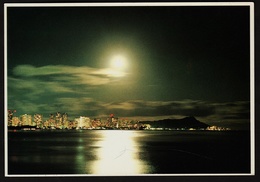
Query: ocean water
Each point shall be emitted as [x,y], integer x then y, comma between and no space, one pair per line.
[128,152]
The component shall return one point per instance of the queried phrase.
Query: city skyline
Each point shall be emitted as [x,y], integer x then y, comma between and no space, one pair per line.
[61,121]
[145,63]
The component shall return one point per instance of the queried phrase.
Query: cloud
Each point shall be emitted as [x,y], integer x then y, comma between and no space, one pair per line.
[50,89]
[34,88]
[29,70]
[141,108]
[226,114]
[235,115]
[54,81]
[77,75]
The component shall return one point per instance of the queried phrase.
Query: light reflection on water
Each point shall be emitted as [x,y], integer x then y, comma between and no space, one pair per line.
[118,153]
[108,152]
[115,152]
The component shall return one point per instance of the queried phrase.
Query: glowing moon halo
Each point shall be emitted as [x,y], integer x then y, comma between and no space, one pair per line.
[118,62]
[118,66]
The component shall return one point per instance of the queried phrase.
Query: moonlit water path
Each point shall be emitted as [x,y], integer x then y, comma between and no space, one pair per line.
[118,152]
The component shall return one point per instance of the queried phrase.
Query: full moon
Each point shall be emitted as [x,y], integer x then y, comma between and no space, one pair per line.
[118,62]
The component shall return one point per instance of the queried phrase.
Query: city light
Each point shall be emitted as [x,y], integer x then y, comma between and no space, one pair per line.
[61,121]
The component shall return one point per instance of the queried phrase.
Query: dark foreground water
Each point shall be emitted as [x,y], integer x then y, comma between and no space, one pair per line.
[115,152]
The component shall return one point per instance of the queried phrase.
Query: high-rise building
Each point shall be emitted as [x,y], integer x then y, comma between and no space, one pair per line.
[58,120]
[46,124]
[96,123]
[26,120]
[51,122]
[83,122]
[16,121]
[38,120]
[112,121]
[65,121]
[10,117]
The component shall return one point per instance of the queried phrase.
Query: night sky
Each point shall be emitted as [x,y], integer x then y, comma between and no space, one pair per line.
[144,63]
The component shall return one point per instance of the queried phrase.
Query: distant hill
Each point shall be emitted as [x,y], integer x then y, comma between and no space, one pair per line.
[187,122]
